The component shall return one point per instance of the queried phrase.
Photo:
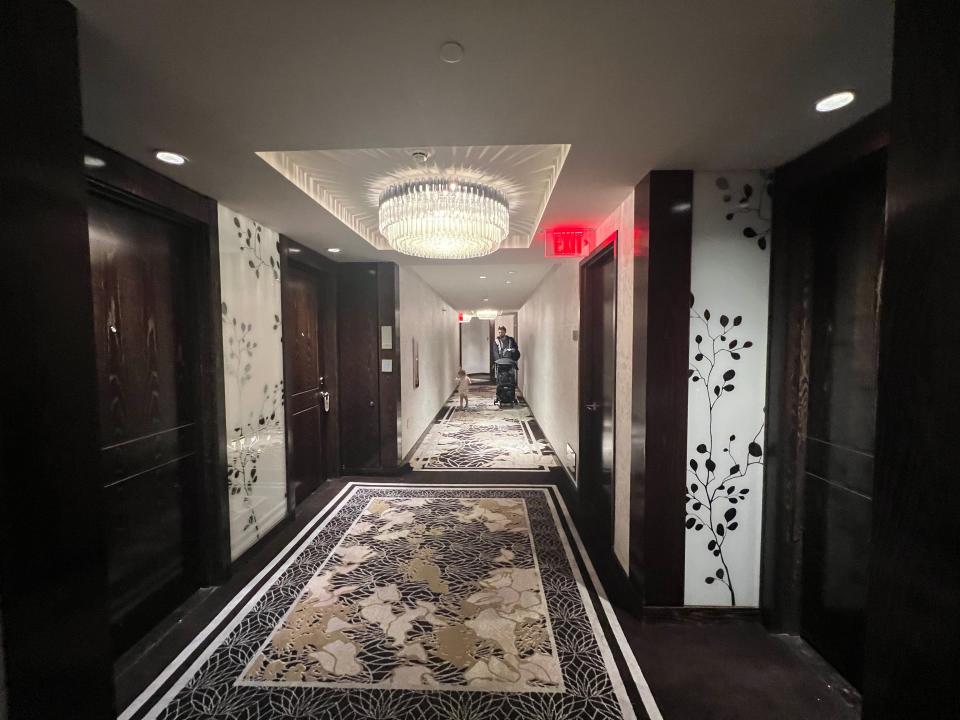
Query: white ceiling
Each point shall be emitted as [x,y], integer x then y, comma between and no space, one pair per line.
[348,183]
[631,85]
[506,287]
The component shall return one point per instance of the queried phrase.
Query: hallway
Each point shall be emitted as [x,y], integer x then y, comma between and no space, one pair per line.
[739,670]
[484,436]
[454,361]
[466,574]
[410,587]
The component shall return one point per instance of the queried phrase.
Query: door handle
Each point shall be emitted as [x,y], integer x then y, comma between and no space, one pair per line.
[371,403]
[326,400]
[593,407]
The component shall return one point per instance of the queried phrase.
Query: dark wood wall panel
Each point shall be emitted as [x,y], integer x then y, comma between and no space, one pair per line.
[913,623]
[802,218]
[53,567]
[140,269]
[388,309]
[662,397]
[133,191]
[358,340]
[847,211]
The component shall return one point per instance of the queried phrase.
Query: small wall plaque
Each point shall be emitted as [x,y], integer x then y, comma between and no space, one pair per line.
[386,337]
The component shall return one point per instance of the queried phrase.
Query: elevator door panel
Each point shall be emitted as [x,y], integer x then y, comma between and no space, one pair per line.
[147,364]
[838,500]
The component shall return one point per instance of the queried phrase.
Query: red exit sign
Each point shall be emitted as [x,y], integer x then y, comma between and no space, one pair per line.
[568,242]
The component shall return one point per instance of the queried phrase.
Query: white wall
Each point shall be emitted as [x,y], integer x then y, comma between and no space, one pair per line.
[551,360]
[730,279]
[621,221]
[424,316]
[253,377]
[546,324]
[475,347]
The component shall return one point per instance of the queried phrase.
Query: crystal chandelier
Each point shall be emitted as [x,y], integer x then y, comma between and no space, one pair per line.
[444,218]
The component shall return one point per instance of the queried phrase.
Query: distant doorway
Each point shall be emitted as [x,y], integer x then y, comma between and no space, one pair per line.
[475,343]
[598,293]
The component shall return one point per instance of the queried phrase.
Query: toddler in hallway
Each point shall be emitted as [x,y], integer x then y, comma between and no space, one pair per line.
[463,387]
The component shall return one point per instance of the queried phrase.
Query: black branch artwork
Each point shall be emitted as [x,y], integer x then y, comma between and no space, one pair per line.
[716,493]
[251,245]
[253,426]
[752,206]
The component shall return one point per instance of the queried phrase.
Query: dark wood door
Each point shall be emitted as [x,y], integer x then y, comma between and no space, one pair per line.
[308,393]
[598,288]
[358,343]
[143,299]
[848,221]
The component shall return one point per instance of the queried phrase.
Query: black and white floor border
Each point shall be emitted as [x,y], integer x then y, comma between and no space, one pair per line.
[152,701]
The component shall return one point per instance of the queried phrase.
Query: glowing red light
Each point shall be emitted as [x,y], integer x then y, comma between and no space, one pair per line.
[568,242]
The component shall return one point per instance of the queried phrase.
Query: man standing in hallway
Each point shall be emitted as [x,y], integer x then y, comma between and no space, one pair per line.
[504,342]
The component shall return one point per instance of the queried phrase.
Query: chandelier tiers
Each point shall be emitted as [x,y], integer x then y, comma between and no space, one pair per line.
[444,218]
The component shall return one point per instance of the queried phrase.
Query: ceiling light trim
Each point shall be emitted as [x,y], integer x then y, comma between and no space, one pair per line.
[347,183]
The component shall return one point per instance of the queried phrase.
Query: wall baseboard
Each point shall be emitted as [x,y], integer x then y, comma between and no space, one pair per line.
[405,463]
[375,472]
[703,614]
[563,465]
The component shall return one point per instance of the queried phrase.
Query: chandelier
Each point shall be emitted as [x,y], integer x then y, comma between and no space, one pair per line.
[444,218]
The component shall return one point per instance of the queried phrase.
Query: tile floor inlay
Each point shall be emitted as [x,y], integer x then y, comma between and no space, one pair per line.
[416,602]
[484,437]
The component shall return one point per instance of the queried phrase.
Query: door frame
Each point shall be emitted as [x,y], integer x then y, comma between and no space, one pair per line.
[125,181]
[788,363]
[324,270]
[597,256]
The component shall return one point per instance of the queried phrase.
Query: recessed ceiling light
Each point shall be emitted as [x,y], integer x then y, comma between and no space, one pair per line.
[333,250]
[91,161]
[420,156]
[486,299]
[508,282]
[294,250]
[451,52]
[483,277]
[835,101]
[511,272]
[170,158]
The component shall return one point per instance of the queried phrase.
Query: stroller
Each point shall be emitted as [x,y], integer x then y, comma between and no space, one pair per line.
[506,373]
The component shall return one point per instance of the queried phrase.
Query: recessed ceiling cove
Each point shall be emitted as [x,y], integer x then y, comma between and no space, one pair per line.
[348,183]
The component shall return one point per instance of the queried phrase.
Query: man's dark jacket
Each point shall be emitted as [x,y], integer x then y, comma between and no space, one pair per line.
[504,343]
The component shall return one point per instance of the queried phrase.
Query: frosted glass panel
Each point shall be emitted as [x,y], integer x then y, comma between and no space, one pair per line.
[253,378]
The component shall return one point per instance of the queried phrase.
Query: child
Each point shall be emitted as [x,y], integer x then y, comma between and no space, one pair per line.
[463,387]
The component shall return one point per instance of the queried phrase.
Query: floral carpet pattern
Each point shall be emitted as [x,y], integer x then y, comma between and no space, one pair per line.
[484,437]
[422,593]
[416,602]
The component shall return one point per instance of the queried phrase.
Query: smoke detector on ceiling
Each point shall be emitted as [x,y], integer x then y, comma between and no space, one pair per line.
[451,52]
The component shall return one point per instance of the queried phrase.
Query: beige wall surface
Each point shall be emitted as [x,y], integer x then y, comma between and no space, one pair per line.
[546,324]
[433,323]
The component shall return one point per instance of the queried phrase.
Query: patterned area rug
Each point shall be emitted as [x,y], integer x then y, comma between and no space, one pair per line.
[416,603]
[484,437]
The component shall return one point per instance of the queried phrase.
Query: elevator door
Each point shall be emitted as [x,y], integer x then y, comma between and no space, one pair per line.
[147,366]
[848,219]
[598,289]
